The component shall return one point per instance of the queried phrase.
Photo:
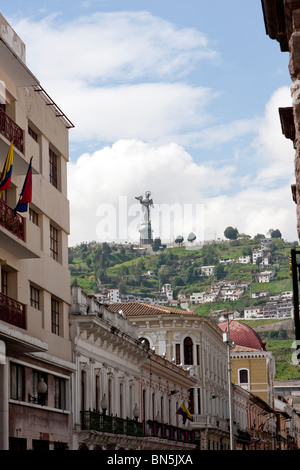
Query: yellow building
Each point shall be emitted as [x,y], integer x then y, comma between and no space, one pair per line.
[252,367]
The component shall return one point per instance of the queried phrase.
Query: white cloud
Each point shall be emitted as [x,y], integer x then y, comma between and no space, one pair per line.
[122,78]
[129,168]
[274,151]
[112,46]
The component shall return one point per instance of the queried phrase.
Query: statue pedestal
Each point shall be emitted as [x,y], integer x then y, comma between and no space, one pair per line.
[146,234]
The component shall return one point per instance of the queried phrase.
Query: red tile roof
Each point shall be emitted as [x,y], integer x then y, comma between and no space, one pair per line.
[131,309]
[242,335]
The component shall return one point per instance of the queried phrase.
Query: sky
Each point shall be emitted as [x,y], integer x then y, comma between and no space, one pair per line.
[177,98]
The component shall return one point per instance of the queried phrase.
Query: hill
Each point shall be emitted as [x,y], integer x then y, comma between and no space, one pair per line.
[99,267]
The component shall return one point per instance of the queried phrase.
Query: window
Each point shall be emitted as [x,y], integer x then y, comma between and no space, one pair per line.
[4,285]
[177,351]
[34,297]
[53,242]
[17,382]
[60,393]
[54,316]
[188,351]
[33,216]
[243,376]
[3,195]
[32,133]
[53,168]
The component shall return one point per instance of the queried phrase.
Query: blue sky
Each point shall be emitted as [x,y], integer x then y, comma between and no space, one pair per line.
[179,98]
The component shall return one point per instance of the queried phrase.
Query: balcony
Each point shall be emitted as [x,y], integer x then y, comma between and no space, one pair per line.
[12,311]
[95,421]
[169,432]
[14,223]
[11,131]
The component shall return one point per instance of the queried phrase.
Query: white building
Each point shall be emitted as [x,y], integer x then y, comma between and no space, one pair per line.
[114,296]
[244,259]
[197,297]
[34,274]
[207,270]
[196,344]
[252,312]
[265,276]
[124,395]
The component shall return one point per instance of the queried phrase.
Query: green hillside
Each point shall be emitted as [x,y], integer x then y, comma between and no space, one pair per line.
[95,266]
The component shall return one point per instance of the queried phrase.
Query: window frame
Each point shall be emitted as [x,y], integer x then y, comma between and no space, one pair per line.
[17,382]
[53,168]
[34,297]
[55,315]
[53,242]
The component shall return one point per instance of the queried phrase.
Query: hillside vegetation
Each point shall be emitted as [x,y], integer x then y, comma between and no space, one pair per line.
[95,266]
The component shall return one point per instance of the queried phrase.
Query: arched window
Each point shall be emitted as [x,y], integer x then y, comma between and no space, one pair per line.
[188,351]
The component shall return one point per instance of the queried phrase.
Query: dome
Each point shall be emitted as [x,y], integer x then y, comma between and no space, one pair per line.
[242,335]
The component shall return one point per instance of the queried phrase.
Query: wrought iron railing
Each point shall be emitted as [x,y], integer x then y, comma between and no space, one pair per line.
[96,421]
[170,432]
[12,311]
[11,131]
[13,222]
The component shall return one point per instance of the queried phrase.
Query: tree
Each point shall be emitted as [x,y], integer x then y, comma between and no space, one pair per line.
[231,233]
[219,271]
[275,233]
[156,244]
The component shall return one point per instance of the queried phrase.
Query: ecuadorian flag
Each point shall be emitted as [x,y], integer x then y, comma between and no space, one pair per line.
[182,410]
[26,193]
[5,178]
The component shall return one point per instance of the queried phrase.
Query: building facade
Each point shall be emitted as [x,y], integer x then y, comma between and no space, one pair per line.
[36,366]
[196,344]
[125,397]
[282,23]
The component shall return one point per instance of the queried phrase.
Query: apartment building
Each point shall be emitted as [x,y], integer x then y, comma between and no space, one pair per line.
[36,365]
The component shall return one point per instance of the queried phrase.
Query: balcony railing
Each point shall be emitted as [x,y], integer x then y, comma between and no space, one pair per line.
[12,311]
[14,223]
[94,420]
[11,131]
[169,432]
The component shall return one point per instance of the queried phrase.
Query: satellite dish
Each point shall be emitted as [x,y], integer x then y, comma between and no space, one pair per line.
[191,237]
[179,239]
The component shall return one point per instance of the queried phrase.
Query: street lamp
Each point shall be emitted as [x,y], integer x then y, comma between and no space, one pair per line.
[136,413]
[41,389]
[104,405]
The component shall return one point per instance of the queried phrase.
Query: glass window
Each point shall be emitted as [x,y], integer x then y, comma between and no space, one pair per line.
[53,168]
[17,382]
[60,393]
[177,350]
[244,376]
[53,242]
[54,316]
[34,297]
[33,216]
[188,351]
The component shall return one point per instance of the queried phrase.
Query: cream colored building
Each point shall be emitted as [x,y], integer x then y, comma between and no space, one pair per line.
[35,293]
[124,395]
[196,344]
